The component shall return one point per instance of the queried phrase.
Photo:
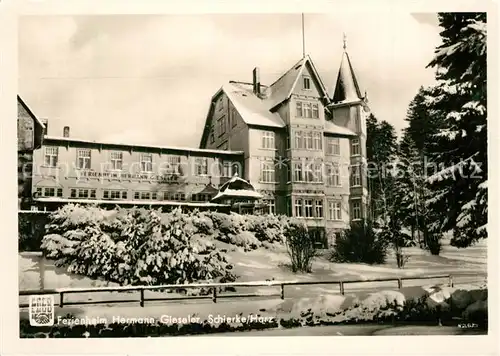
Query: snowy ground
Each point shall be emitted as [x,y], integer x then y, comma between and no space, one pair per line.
[465,265]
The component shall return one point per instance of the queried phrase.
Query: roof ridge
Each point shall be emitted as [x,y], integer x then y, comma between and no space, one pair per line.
[292,67]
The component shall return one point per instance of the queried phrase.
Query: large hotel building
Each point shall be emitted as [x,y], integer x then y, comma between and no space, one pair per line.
[302,149]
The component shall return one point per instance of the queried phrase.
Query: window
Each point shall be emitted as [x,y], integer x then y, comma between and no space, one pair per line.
[226,169]
[298,207]
[356,176]
[334,210]
[234,117]
[201,166]
[308,208]
[173,164]
[51,154]
[268,140]
[299,109]
[317,173]
[236,169]
[267,172]
[307,83]
[307,110]
[298,140]
[315,111]
[221,124]
[356,210]
[83,193]
[116,159]
[177,196]
[212,137]
[355,148]
[317,141]
[83,158]
[144,195]
[146,162]
[318,208]
[271,206]
[333,146]
[114,194]
[49,192]
[297,172]
[333,175]
[308,140]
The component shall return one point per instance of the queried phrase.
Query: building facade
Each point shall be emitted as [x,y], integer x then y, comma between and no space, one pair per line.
[304,150]
[81,171]
[30,132]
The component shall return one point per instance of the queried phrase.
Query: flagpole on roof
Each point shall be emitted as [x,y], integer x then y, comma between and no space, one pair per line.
[303,38]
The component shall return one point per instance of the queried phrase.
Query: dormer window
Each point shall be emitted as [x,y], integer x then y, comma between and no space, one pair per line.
[306,83]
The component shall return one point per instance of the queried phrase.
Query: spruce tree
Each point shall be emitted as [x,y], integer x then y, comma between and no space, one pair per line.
[381,149]
[458,103]
[412,161]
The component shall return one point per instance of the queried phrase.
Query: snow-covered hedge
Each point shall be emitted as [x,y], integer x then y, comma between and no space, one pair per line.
[442,305]
[133,247]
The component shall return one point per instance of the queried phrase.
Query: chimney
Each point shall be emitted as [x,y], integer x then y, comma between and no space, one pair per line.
[46,123]
[66,131]
[256,81]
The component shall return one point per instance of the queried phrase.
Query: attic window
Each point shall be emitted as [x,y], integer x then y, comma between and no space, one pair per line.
[307,83]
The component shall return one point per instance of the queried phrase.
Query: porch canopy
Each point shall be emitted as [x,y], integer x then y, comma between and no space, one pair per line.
[236,190]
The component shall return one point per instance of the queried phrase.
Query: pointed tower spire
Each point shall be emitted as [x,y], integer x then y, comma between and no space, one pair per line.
[346,88]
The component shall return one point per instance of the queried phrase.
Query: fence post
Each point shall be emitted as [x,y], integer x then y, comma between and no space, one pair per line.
[400,283]
[450,281]
[61,301]
[142,298]
[341,284]
[282,291]
[214,292]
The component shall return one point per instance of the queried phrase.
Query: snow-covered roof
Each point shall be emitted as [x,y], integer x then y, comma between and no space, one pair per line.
[332,128]
[283,88]
[209,189]
[237,187]
[346,87]
[127,202]
[28,110]
[252,109]
[234,193]
[173,148]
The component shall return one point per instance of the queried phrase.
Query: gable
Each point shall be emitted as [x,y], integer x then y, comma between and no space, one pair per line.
[292,83]
[307,83]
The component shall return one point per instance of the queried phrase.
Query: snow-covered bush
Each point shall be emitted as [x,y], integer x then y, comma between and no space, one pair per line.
[135,247]
[359,243]
[246,239]
[300,246]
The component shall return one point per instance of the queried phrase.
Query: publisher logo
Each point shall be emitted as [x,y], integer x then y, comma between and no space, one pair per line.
[41,310]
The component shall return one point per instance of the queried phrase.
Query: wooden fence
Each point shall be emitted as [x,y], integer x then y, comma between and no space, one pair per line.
[213,287]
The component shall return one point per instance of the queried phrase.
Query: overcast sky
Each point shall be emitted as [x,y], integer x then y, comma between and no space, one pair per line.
[149,79]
